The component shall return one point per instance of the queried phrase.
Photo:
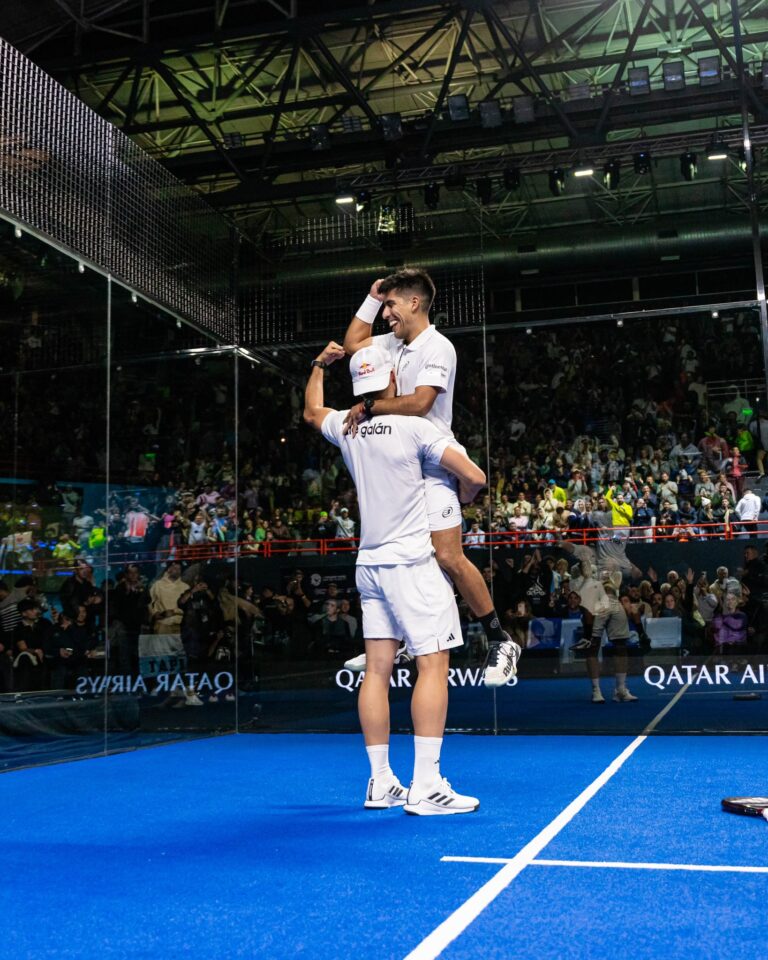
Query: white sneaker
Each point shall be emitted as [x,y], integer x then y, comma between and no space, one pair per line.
[439,799]
[357,664]
[384,792]
[501,662]
[192,700]
[597,697]
[624,696]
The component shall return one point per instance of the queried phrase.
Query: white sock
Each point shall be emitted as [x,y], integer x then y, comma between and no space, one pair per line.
[379,758]
[596,684]
[621,681]
[426,767]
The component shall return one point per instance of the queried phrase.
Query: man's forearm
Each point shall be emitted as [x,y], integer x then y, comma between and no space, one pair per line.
[313,392]
[410,405]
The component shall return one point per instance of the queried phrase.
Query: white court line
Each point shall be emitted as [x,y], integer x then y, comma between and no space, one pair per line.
[615,865]
[434,944]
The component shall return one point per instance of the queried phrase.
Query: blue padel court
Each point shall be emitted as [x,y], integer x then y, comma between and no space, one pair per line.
[259,847]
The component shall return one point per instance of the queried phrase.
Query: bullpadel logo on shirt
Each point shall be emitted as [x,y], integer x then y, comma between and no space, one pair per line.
[374,429]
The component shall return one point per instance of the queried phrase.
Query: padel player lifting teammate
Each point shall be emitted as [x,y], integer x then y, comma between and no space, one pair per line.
[425,369]
[403,592]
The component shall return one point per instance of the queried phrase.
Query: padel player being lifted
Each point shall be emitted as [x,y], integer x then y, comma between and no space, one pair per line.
[425,369]
[403,592]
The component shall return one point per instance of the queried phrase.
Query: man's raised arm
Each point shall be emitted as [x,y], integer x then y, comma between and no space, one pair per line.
[358,333]
[471,478]
[314,409]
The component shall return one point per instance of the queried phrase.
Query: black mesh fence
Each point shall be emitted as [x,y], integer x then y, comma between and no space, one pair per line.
[67,173]
[305,285]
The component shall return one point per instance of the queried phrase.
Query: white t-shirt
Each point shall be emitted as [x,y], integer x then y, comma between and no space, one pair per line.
[428,360]
[385,460]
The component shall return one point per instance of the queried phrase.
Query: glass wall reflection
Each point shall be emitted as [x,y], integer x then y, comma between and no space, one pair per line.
[625,518]
[171,550]
[53,526]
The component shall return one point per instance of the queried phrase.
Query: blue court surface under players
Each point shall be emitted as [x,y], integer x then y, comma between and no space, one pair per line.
[258,846]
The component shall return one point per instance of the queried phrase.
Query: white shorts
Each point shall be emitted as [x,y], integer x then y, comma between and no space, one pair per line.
[412,602]
[442,490]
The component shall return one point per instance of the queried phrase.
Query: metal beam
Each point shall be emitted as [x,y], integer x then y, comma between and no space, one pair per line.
[278,110]
[513,76]
[532,72]
[455,54]
[728,56]
[344,79]
[618,76]
[168,77]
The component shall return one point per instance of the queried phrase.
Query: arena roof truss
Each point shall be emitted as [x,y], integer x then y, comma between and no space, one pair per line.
[271,108]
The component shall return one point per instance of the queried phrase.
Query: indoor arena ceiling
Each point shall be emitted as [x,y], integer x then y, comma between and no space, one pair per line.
[274,107]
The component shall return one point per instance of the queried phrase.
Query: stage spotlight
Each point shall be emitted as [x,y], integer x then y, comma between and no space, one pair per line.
[612,174]
[583,170]
[80,267]
[432,195]
[18,232]
[688,165]
[511,177]
[391,126]
[134,297]
[363,201]
[458,107]
[619,323]
[556,181]
[490,114]
[674,75]
[579,91]
[639,81]
[484,188]
[455,180]
[232,141]
[343,199]
[529,330]
[522,109]
[319,137]
[350,124]
[641,162]
[741,158]
[716,149]
[715,314]
[709,71]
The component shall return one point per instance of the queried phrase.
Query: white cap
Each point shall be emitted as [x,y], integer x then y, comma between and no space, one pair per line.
[370,369]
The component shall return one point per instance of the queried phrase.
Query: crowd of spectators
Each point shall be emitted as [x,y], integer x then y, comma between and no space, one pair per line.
[589,426]
[51,641]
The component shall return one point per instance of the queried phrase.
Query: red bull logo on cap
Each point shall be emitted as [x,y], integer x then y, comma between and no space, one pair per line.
[365,369]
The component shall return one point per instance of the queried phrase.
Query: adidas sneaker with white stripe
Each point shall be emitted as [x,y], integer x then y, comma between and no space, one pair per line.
[439,799]
[384,792]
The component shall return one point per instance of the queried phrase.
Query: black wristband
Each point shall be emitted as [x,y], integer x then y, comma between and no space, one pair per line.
[368,406]
[318,363]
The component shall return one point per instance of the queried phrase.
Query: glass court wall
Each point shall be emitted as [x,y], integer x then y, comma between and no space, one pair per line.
[175,524]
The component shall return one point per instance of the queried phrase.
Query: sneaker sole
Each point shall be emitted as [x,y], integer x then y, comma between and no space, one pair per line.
[428,810]
[385,804]
[354,667]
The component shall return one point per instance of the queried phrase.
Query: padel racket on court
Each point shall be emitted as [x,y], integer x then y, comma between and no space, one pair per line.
[746,806]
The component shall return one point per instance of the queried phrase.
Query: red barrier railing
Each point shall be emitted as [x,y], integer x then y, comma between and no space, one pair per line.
[196,553]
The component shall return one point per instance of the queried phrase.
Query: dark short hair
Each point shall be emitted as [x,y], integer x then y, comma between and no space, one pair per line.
[26,604]
[411,279]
